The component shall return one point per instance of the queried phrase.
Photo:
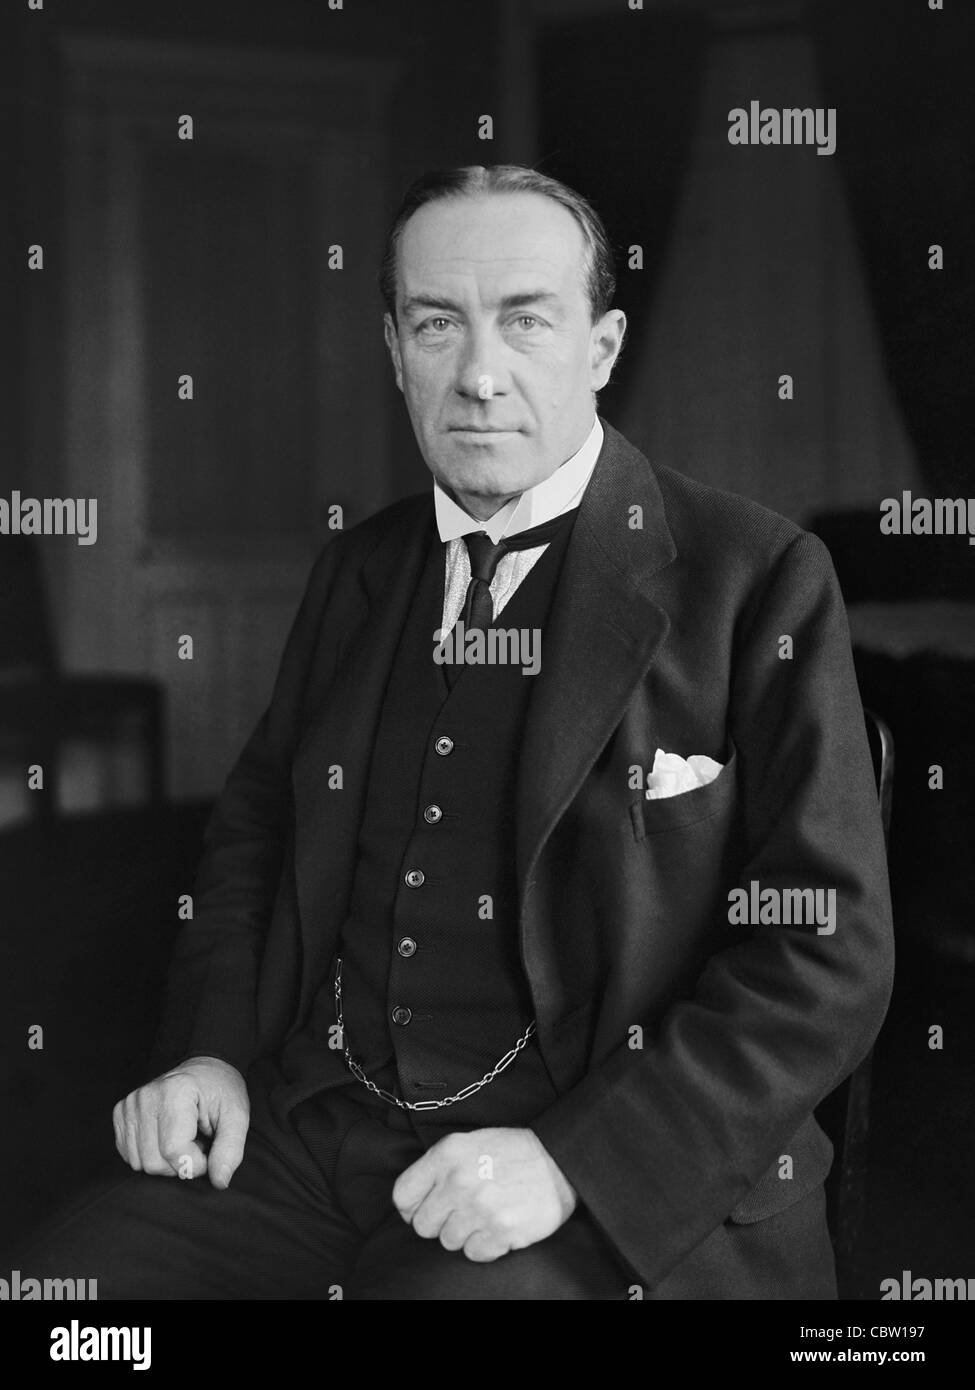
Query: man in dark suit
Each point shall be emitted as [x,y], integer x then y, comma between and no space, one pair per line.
[536,955]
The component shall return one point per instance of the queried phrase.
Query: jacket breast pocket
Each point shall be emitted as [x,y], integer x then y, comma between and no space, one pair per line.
[687,808]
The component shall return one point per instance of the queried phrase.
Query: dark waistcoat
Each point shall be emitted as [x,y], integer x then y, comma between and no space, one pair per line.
[434,993]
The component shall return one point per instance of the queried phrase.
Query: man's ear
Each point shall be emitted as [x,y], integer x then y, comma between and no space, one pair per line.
[606,344]
[392,342]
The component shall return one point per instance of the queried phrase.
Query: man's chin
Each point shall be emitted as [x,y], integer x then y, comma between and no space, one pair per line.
[484,471]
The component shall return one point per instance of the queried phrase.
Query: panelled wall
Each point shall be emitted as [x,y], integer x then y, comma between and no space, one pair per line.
[209,258]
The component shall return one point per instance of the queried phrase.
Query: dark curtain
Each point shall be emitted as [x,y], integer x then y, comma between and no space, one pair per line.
[900,76]
[618,105]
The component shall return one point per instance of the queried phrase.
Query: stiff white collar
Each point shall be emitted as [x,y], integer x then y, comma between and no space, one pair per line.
[547,499]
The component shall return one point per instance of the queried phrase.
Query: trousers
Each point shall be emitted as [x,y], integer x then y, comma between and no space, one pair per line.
[308,1215]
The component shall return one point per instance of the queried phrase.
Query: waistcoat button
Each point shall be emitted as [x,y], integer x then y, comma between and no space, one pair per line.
[407,947]
[402,1016]
[415,877]
[444,745]
[432,814]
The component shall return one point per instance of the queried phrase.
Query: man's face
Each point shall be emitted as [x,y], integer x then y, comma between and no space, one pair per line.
[494,349]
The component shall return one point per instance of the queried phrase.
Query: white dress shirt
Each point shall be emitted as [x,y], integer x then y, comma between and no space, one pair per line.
[556,494]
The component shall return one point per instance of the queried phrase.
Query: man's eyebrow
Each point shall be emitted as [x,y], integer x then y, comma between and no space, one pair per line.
[510,301]
[521,301]
[423,301]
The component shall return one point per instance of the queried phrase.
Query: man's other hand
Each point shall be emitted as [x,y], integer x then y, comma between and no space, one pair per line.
[157,1126]
[485,1192]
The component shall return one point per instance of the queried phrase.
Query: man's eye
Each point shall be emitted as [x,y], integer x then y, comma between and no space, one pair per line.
[436,325]
[527,321]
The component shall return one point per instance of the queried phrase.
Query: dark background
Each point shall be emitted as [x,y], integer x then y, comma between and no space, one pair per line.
[210,257]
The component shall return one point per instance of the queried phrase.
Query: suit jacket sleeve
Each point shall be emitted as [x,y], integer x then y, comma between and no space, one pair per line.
[661,1144]
[211,989]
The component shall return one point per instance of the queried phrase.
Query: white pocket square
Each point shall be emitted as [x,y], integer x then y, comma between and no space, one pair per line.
[672,774]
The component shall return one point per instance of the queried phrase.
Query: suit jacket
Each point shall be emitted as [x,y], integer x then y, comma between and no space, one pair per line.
[664,632]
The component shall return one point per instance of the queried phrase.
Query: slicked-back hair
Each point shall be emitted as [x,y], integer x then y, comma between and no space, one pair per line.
[476,180]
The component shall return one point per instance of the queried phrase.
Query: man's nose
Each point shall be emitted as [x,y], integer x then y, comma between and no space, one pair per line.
[481,370]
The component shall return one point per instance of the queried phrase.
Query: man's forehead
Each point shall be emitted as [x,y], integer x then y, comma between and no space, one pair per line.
[500,240]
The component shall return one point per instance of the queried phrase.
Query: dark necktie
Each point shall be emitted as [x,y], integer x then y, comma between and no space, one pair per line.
[484,556]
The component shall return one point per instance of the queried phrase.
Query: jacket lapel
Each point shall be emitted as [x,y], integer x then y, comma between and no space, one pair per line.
[602,633]
[342,730]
